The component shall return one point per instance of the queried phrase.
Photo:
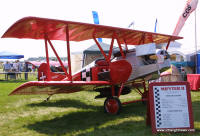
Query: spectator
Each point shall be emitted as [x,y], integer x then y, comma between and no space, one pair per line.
[16,68]
[11,65]
[21,67]
[6,68]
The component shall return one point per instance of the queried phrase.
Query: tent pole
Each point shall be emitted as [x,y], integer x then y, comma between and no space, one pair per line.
[196,58]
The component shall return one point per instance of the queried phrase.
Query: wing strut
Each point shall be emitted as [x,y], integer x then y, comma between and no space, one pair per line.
[120,47]
[111,47]
[47,59]
[57,57]
[100,48]
[126,46]
[68,52]
[168,43]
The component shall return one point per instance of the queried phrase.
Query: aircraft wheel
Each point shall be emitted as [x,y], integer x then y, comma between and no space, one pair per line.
[112,105]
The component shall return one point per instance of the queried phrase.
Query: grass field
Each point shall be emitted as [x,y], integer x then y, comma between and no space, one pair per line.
[77,114]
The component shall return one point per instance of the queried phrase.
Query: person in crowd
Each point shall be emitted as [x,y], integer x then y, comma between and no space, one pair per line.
[6,68]
[21,67]
[16,68]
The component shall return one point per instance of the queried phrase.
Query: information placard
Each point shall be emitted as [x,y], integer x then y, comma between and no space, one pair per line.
[170,107]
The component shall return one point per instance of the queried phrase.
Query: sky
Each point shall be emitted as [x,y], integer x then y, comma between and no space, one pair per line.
[115,13]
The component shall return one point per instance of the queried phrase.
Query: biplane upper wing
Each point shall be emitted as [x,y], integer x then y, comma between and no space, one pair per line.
[38,28]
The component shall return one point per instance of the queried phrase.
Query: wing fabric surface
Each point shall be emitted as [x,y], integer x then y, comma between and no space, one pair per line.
[55,87]
[37,28]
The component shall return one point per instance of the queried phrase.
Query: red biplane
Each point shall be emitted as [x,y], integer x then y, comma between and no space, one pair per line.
[112,76]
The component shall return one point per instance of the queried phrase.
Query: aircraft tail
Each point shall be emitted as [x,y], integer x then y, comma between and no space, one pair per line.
[44,76]
[189,8]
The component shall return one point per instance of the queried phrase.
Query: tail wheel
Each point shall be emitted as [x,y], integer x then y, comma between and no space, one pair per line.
[112,105]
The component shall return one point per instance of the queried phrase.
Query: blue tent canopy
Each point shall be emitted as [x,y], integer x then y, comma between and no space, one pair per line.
[183,64]
[10,55]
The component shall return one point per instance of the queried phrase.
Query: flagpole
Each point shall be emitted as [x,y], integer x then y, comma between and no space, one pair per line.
[196,59]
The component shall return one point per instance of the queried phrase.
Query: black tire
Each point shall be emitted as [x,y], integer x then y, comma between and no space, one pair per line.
[112,105]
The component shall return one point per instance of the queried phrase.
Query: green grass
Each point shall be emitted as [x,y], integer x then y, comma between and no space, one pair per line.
[77,114]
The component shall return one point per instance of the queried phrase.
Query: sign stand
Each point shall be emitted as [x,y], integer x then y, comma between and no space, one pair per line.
[169,107]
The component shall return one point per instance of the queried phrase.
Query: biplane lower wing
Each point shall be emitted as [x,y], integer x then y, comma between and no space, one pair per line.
[55,87]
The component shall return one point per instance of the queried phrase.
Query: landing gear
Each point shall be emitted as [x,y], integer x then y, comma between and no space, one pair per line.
[112,105]
[144,97]
[48,98]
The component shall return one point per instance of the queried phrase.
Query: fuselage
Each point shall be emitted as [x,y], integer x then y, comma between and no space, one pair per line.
[136,66]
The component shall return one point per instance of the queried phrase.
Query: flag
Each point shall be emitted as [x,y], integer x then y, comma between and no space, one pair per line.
[155,25]
[131,24]
[95,17]
[96,21]
[189,8]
